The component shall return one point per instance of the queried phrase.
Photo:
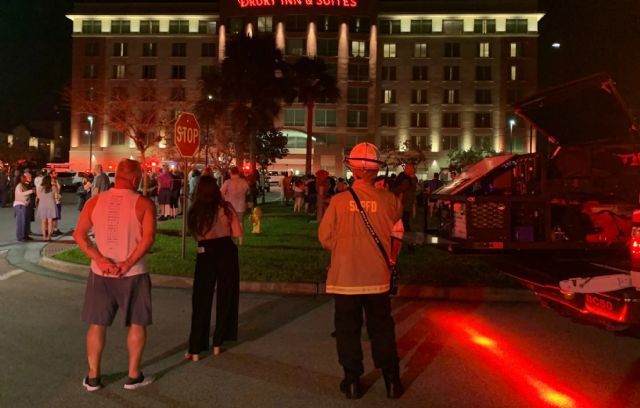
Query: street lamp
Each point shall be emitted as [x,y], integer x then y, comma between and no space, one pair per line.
[206,139]
[90,118]
[512,123]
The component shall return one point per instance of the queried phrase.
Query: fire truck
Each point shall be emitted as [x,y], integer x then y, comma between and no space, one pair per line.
[576,194]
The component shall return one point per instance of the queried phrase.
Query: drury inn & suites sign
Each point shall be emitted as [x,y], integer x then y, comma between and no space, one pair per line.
[307,3]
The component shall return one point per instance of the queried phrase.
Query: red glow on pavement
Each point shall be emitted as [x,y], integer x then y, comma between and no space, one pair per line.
[503,361]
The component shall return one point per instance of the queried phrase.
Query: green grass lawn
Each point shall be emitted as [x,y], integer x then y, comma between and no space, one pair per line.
[288,250]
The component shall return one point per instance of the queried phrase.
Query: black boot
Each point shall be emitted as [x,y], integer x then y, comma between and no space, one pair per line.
[392,384]
[351,389]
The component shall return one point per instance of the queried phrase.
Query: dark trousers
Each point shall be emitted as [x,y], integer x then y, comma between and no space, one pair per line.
[3,197]
[406,220]
[218,264]
[380,327]
[22,225]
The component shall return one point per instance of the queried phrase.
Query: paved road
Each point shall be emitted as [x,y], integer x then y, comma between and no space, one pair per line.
[453,355]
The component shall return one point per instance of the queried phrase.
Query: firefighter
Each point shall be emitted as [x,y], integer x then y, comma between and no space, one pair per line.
[359,274]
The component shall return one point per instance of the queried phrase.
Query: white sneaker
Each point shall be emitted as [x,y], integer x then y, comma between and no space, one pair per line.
[91,384]
[135,383]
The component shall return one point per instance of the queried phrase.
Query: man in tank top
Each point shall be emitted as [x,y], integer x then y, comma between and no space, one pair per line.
[124,226]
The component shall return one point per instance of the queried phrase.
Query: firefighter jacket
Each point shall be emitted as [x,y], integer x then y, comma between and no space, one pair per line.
[357,265]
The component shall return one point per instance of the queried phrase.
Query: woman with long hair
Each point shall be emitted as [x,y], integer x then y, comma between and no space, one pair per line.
[22,197]
[213,223]
[46,211]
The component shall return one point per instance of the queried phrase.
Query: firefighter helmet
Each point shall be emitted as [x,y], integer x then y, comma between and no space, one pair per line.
[364,156]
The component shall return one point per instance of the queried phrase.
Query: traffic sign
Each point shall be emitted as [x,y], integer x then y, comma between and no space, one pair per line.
[187,134]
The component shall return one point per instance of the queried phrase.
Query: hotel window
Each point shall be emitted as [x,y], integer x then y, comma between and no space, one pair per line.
[178,72]
[388,142]
[179,49]
[294,117]
[117,138]
[296,23]
[451,96]
[207,27]
[420,141]
[148,94]
[421,27]
[451,50]
[420,50]
[120,27]
[359,49]
[420,73]
[179,26]
[484,50]
[357,119]
[389,50]
[327,24]
[90,72]
[325,117]
[178,94]
[206,70]
[450,120]
[119,72]
[484,26]
[388,119]
[517,25]
[515,49]
[514,95]
[483,142]
[419,119]
[120,49]
[296,46]
[91,49]
[389,96]
[208,49]
[91,27]
[149,49]
[325,138]
[389,26]
[388,73]
[327,47]
[148,72]
[358,95]
[483,73]
[150,26]
[419,96]
[265,24]
[452,26]
[451,73]
[483,96]
[482,120]
[332,69]
[449,142]
[359,25]
[358,72]
[514,73]
[236,25]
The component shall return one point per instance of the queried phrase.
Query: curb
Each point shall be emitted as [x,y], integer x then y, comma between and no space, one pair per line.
[472,294]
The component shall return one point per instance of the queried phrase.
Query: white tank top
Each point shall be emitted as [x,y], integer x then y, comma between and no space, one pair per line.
[117,228]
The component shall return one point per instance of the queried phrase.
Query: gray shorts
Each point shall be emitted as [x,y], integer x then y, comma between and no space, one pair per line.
[104,296]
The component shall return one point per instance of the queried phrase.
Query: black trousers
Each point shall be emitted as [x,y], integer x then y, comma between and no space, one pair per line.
[380,327]
[218,264]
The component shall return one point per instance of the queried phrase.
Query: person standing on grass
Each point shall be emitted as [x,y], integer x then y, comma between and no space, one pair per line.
[124,226]
[165,185]
[46,210]
[235,191]
[213,222]
[57,195]
[405,188]
[359,275]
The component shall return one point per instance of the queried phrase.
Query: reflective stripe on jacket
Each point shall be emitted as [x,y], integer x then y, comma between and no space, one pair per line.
[357,265]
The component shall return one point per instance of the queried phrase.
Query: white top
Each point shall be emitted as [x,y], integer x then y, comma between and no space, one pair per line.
[117,229]
[21,195]
[235,191]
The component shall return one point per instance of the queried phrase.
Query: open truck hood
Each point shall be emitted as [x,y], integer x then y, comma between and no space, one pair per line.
[473,173]
[588,110]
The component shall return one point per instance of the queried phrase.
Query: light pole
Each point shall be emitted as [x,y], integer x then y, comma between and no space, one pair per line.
[206,138]
[512,123]
[90,118]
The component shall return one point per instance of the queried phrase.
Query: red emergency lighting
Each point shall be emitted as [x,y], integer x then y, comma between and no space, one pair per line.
[299,3]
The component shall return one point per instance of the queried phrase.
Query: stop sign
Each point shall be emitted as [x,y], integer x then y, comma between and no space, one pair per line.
[187,134]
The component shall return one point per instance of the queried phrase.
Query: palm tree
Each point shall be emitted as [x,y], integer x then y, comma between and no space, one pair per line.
[312,83]
[248,91]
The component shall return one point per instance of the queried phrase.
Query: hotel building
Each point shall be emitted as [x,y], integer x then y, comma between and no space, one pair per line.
[442,74]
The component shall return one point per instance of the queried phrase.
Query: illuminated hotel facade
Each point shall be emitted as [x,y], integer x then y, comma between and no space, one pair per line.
[439,73]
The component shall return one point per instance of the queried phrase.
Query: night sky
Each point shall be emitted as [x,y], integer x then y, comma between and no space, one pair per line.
[35,40]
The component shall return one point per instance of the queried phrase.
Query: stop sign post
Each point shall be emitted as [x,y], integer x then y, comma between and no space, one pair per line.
[187,140]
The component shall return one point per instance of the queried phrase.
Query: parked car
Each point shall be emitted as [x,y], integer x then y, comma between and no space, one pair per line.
[77,178]
[66,180]
[112,178]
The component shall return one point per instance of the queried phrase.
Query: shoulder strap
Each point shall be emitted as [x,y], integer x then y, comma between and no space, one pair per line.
[369,226]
